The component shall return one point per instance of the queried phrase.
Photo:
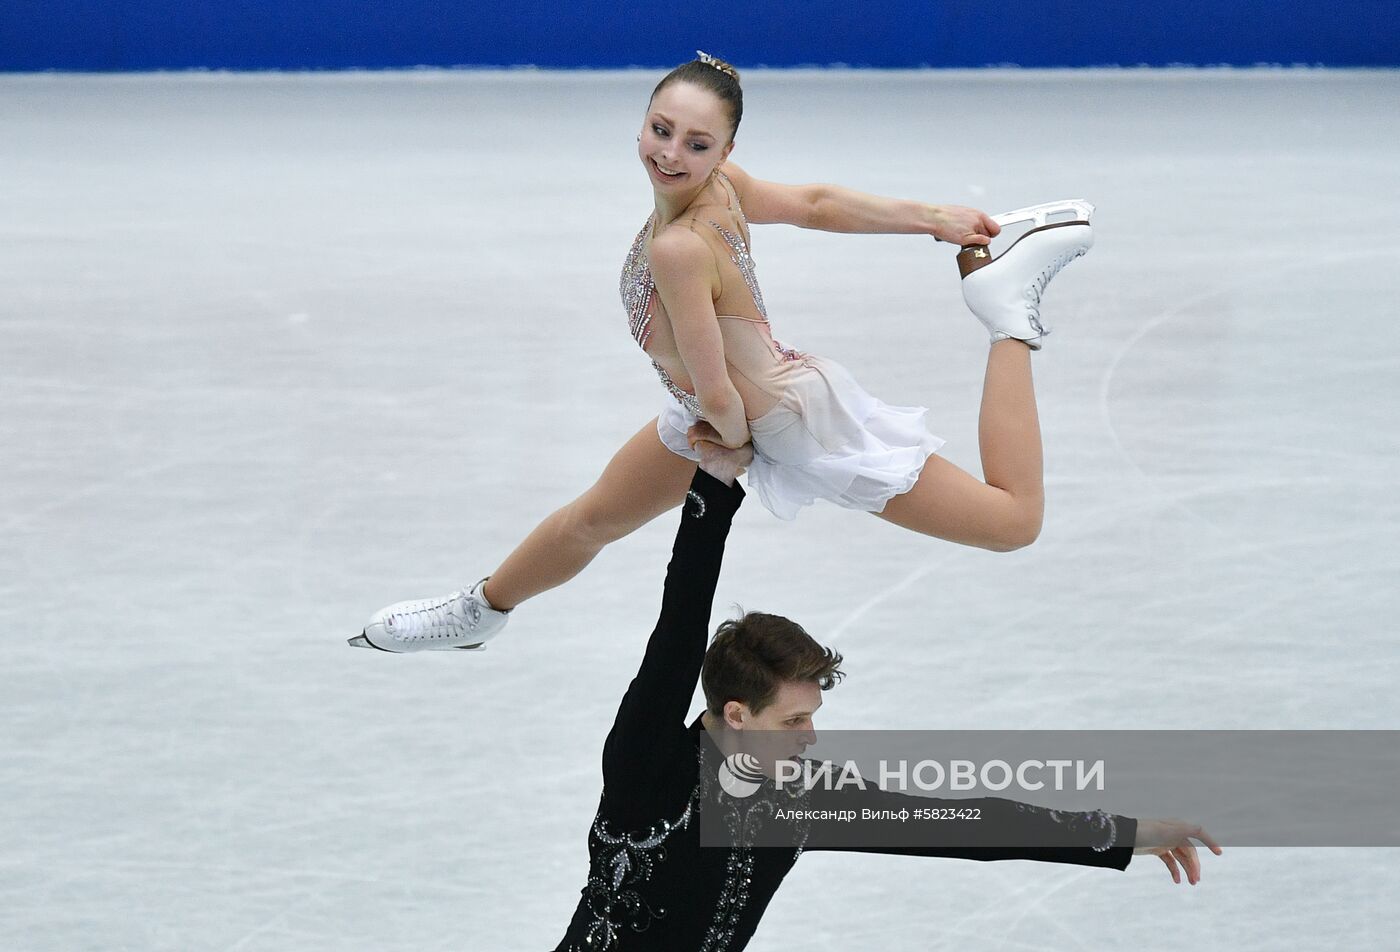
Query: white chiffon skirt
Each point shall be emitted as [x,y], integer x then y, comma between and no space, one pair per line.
[825,439]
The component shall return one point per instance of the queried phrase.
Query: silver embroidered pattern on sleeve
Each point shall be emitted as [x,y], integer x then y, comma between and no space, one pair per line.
[1099,823]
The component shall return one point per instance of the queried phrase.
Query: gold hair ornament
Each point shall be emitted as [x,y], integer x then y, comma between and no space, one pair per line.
[709,60]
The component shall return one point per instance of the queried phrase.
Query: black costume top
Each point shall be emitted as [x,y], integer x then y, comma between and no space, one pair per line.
[650,885]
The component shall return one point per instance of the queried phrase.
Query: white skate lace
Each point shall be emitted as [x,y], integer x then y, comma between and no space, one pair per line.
[1036,288]
[435,620]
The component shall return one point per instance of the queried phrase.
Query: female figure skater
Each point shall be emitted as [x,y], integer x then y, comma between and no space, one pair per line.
[695,308]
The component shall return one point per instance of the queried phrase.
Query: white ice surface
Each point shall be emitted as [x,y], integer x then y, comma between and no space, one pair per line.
[277,350]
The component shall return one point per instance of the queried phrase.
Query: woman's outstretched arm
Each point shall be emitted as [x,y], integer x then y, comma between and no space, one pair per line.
[847,211]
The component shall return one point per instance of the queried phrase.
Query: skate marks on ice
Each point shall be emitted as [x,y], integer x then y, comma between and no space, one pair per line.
[193,761]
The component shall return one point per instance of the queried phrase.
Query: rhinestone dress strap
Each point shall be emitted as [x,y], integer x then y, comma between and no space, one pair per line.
[739,254]
[637,288]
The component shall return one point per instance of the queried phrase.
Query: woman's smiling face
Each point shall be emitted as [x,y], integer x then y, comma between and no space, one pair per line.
[686,132]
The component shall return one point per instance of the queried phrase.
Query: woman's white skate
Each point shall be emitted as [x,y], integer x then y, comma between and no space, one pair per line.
[462,620]
[1005,291]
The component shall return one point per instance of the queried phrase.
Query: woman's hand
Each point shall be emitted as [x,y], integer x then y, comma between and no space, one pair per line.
[963,226]
[1171,840]
[704,430]
[720,461]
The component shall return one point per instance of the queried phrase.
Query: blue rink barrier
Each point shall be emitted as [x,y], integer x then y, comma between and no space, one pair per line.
[104,35]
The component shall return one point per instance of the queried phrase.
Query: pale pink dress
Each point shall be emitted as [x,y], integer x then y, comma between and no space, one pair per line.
[816,433]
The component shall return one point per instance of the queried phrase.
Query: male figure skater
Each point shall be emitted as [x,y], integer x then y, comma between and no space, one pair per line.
[651,886]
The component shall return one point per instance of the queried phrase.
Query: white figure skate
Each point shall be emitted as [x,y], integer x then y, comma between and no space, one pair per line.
[1004,292]
[461,620]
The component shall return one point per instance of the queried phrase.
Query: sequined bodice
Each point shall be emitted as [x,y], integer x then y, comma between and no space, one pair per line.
[638,288]
[638,292]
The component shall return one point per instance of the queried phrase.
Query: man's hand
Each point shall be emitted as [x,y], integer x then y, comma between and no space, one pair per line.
[963,226]
[718,460]
[704,430]
[1171,840]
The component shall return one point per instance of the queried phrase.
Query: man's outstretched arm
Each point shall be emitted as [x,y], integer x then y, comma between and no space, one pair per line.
[983,828]
[992,828]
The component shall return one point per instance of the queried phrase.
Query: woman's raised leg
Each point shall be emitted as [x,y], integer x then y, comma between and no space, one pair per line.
[642,481]
[1006,511]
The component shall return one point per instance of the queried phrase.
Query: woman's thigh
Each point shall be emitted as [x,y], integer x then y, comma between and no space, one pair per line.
[643,480]
[950,503]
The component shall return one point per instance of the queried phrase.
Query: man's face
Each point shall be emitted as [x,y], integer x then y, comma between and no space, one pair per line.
[784,729]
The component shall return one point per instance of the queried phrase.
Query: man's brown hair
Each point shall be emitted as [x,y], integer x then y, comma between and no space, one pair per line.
[752,655]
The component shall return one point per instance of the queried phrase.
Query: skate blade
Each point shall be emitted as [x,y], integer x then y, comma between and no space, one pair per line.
[1060,212]
[360,641]
[1038,218]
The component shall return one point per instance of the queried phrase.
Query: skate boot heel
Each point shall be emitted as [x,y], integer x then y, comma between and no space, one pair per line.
[1005,291]
[461,621]
[973,257]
